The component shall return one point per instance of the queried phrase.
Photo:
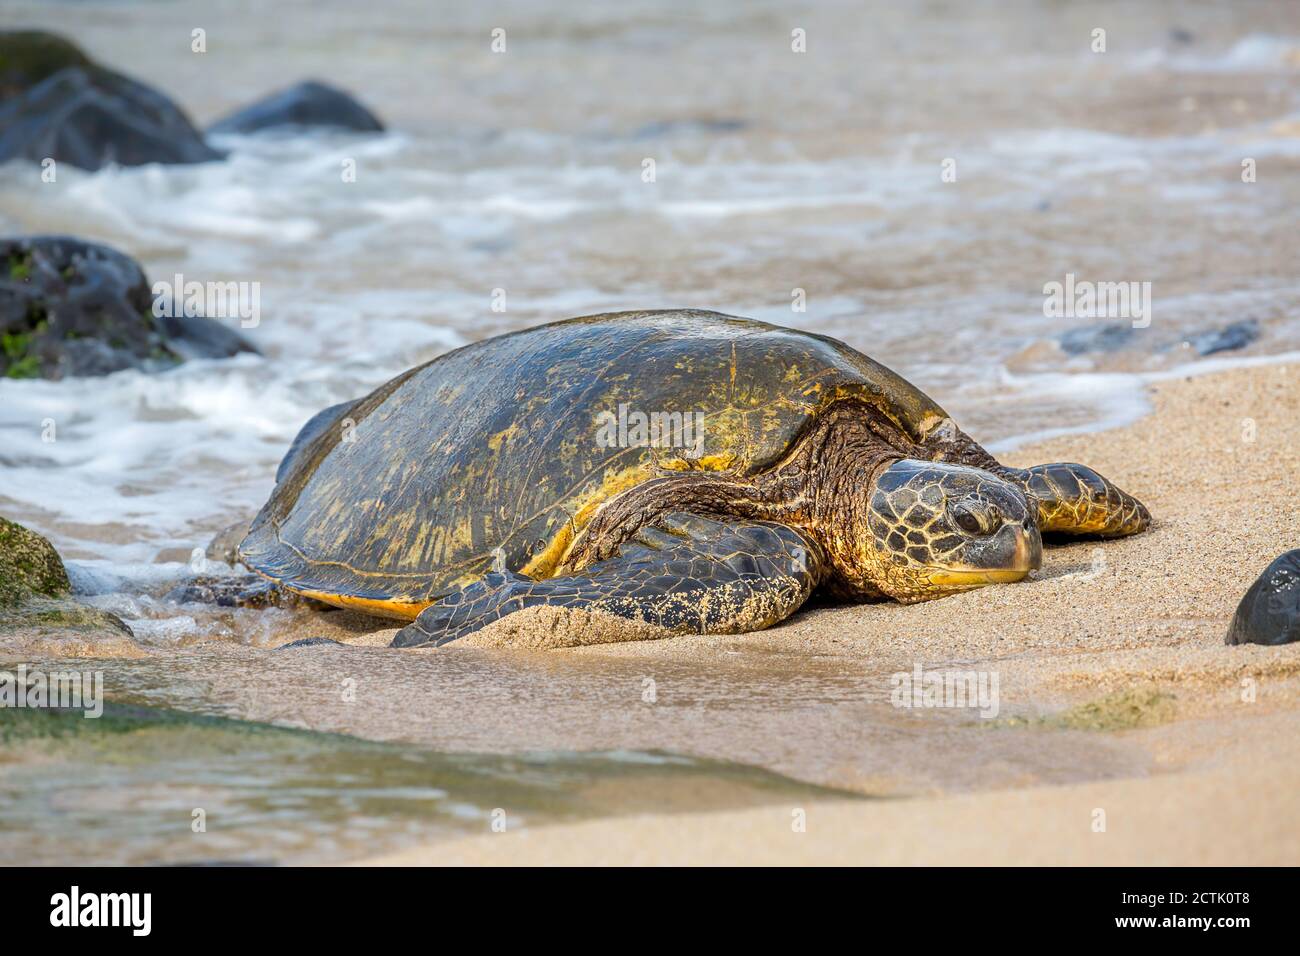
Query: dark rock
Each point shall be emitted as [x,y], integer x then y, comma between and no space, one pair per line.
[242,591]
[309,104]
[69,307]
[1235,336]
[60,105]
[661,128]
[1270,611]
[1097,338]
[309,642]
[225,546]
[196,337]
[1181,35]
[28,57]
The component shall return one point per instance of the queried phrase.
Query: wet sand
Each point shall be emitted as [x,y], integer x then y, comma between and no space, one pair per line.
[1118,644]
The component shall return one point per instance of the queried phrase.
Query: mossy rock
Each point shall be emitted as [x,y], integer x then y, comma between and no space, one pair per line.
[75,308]
[29,566]
[29,56]
[39,616]
[56,103]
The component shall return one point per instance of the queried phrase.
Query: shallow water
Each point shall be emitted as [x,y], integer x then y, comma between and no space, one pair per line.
[522,171]
[140,785]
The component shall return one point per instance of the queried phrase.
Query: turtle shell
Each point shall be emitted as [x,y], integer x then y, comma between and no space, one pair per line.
[500,452]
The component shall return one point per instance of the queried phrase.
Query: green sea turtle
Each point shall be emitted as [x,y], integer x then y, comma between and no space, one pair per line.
[690,471]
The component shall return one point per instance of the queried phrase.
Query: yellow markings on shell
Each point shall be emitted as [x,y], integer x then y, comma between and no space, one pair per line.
[703,463]
[401,610]
[544,562]
[495,442]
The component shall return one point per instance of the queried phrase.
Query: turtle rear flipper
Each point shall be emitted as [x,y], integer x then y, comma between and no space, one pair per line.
[691,575]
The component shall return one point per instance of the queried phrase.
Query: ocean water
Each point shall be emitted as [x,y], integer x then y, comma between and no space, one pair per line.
[523,171]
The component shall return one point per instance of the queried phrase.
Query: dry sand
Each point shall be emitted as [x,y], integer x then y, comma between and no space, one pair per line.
[1118,641]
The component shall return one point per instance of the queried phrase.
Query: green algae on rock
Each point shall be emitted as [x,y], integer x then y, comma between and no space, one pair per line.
[29,566]
[38,614]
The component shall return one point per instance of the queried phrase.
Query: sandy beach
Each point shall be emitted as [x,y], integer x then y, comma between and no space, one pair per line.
[1119,642]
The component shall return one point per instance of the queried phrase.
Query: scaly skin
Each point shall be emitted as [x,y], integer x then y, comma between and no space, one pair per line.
[1070,498]
[697,577]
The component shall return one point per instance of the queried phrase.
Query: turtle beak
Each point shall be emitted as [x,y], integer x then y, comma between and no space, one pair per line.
[1008,555]
[1023,547]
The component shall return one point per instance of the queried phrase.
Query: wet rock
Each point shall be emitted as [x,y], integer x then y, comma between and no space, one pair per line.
[225,546]
[309,104]
[1235,336]
[59,104]
[661,128]
[29,566]
[37,613]
[1110,337]
[69,307]
[240,590]
[310,642]
[28,57]
[1269,613]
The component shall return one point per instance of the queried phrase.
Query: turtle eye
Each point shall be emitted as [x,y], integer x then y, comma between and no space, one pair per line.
[974,518]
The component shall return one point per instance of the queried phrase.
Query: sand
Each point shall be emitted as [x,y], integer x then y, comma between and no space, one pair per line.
[1116,643]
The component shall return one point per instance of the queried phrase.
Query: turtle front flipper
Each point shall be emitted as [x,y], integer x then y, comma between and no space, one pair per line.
[1074,499]
[690,575]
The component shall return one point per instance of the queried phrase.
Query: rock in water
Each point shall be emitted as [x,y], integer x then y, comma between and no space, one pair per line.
[1270,611]
[1235,336]
[225,546]
[38,616]
[69,307]
[29,566]
[60,105]
[1097,338]
[310,642]
[29,56]
[306,105]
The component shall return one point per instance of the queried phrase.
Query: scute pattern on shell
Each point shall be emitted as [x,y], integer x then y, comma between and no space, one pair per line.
[490,449]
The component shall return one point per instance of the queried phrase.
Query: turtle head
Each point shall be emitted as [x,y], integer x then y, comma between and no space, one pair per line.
[934,529]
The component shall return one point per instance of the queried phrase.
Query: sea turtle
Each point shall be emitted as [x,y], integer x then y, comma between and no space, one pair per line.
[687,470]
